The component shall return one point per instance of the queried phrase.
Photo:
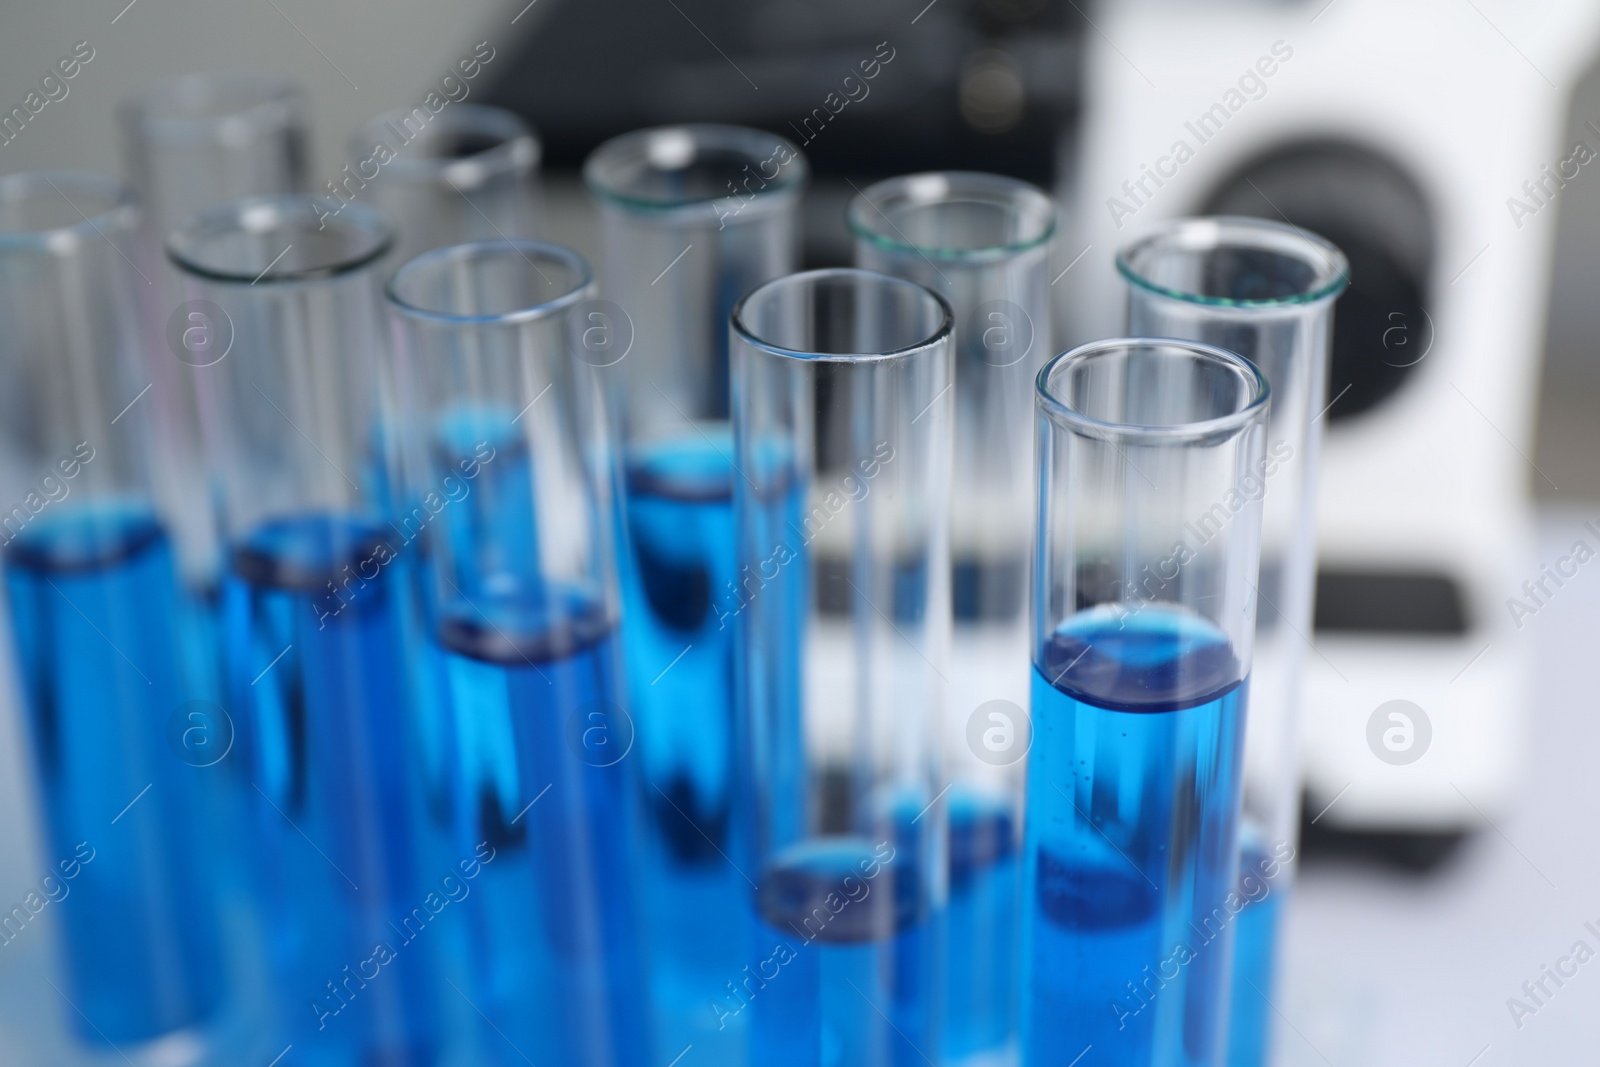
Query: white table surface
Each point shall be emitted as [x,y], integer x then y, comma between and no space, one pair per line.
[1385,968]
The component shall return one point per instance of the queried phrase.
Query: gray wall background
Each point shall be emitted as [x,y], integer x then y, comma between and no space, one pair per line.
[391,53]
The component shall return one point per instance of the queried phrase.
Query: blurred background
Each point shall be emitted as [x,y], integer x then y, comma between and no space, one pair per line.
[1436,142]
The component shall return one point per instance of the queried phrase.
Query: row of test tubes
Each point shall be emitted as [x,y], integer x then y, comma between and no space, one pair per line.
[445,657]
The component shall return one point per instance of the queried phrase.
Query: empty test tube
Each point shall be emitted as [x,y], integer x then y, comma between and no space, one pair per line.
[468,173]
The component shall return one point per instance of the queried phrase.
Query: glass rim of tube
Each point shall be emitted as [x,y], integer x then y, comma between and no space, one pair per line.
[669,147]
[767,290]
[168,108]
[517,146]
[582,286]
[1331,270]
[368,234]
[1061,410]
[115,208]
[947,187]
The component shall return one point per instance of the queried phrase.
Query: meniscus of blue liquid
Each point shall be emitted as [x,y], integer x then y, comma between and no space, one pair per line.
[850,931]
[1131,839]
[94,602]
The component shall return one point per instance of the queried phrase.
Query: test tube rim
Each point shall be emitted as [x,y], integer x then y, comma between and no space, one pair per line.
[583,289]
[281,102]
[788,183]
[940,335]
[1217,428]
[520,148]
[975,185]
[226,216]
[1241,231]
[119,212]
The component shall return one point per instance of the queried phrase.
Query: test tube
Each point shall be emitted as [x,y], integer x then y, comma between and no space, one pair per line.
[315,617]
[843,457]
[983,243]
[1266,291]
[693,217]
[523,614]
[93,590]
[1144,612]
[191,142]
[465,174]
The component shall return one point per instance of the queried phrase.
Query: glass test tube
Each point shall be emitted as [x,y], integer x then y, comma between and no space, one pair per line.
[1266,291]
[843,454]
[523,614]
[982,242]
[192,142]
[693,218]
[1144,612]
[93,590]
[316,601]
[468,173]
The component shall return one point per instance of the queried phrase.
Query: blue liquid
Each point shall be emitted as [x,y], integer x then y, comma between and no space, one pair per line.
[680,659]
[94,602]
[316,675]
[981,925]
[534,685]
[1254,951]
[1133,794]
[844,941]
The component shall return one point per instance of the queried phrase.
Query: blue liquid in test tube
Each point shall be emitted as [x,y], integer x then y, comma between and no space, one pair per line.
[532,670]
[1254,951]
[1137,743]
[93,595]
[516,677]
[980,970]
[679,603]
[320,679]
[846,918]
